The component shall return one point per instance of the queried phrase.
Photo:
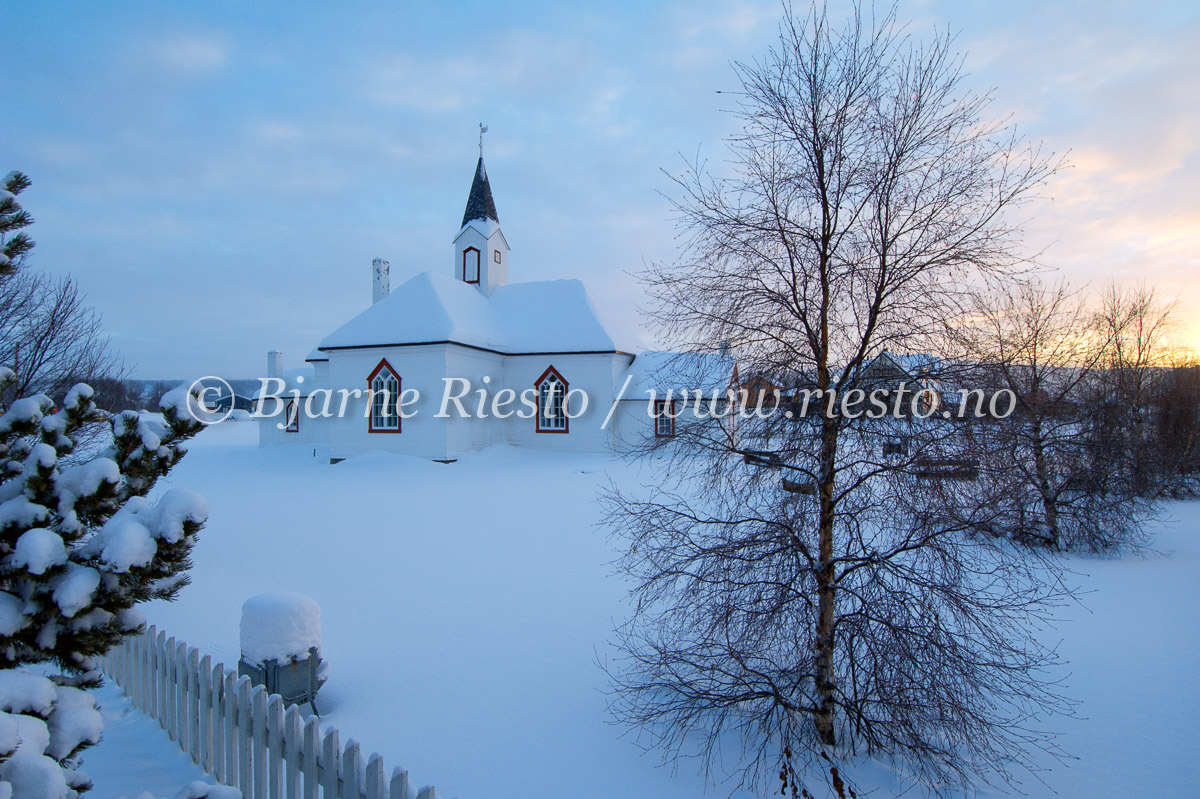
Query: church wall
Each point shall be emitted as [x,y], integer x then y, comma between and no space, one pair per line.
[591,373]
[425,435]
[470,434]
[419,367]
[632,426]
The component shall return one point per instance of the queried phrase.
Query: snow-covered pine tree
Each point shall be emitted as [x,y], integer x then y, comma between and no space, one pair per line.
[14,244]
[80,547]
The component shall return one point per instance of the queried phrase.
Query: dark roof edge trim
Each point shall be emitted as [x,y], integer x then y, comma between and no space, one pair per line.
[472,347]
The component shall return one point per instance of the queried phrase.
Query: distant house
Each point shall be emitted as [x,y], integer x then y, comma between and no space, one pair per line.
[548,345]
[225,402]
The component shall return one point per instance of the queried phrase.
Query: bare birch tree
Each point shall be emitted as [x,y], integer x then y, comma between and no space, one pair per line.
[49,336]
[1061,475]
[1133,377]
[832,600]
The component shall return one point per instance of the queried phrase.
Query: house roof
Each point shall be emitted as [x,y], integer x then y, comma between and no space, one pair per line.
[480,204]
[550,316]
[687,371]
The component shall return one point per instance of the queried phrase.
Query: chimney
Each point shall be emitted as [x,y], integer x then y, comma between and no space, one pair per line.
[274,363]
[382,284]
[723,349]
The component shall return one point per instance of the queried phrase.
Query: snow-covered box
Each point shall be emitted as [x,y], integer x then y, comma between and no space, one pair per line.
[281,646]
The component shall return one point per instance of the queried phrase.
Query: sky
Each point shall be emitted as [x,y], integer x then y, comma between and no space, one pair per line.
[217,176]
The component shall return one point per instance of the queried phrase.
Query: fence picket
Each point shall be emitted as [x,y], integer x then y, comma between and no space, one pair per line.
[143,673]
[229,706]
[375,788]
[243,736]
[398,787]
[151,678]
[292,737]
[193,703]
[308,759]
[351,769]
[216,680]
[120,675]
[172,707]
[181,722]
[135,682]
[275,746]
[258,737]
[124,679]
[160,658]
[331,756]
[240,734]
[127,647]
[205,707]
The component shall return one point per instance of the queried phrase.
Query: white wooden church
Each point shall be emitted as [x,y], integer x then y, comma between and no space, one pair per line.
[546,340]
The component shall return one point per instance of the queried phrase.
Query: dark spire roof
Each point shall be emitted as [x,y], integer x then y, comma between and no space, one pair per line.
[480,204]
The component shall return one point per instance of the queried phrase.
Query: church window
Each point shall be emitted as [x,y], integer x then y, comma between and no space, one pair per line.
[385,399]
[292,416]
[471,265]
[552,402]
[664,418]
[496,256]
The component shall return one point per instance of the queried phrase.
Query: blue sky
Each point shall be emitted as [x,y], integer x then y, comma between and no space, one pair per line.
[218,175]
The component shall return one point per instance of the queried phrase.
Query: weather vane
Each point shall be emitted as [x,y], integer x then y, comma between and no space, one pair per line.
[482,130]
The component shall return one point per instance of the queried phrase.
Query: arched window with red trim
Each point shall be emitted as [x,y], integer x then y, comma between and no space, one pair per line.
[552,402]
[470,265]
[292,416]
[384,394]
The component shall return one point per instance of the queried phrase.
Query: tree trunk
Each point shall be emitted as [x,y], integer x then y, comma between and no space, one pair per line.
[1049,502]
[826,588]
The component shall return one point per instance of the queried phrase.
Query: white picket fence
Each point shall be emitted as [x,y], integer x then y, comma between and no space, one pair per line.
[241,735]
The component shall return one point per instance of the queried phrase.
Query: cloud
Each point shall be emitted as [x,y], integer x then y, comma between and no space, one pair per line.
[192,53]
[512,64]
[339,137]
[1117,94]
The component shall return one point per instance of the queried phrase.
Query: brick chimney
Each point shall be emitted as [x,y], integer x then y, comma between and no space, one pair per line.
[382,284]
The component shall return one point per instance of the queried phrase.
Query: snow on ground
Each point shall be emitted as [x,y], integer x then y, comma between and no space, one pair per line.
[134,753]
[464,608]
[1134,650]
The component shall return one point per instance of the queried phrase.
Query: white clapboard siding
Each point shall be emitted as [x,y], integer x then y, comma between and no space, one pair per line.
[241,735]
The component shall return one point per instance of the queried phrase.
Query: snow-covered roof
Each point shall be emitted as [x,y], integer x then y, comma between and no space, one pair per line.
[660,371]
[550,316]
[485,226]
[316,355]
[916,363]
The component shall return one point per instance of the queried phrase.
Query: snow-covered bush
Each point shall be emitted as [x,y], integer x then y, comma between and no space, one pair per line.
[80,547]
[43,727]
[199,790]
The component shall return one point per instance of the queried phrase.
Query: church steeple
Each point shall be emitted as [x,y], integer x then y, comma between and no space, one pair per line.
[480,249]
[480,204]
